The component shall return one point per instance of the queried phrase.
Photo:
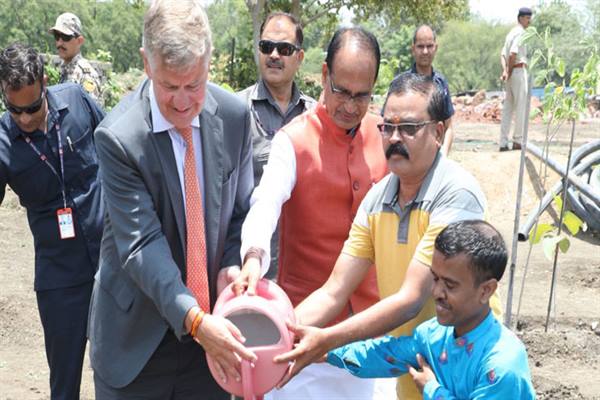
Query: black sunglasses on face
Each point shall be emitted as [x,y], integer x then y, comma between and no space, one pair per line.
[408,128]
[283,48]
[30,109]
[63,37]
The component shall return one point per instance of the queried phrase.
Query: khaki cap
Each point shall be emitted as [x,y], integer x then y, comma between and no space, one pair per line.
[67,23]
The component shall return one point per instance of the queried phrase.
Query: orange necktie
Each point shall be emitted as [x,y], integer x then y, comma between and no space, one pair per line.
[197,274]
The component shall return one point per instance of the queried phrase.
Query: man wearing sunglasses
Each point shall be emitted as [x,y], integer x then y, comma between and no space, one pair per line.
[423,49]
[395,229]
[275,99]
[321,166]
[69,38]
[47,157]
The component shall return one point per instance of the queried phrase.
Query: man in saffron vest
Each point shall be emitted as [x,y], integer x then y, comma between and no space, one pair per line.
[395,228]
[321,166]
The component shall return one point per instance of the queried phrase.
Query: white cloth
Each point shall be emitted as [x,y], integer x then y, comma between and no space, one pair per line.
[512,44]
[515,102]
[275,188]
[161,124]
[385,389]
[325,382]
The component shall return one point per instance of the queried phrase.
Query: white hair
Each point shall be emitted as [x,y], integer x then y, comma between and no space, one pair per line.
[177,33]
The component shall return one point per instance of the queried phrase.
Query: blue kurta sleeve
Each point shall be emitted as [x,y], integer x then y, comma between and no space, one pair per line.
[507,384]
[376,358]
[434,391]
[492,384]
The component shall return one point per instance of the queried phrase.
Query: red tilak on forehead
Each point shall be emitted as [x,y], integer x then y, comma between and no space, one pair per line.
[395,119]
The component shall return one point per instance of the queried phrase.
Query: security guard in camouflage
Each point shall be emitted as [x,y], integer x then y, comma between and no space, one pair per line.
[74,68]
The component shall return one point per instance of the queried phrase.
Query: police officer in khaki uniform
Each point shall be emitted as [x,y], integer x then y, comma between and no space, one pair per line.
[515,77]
[74,68]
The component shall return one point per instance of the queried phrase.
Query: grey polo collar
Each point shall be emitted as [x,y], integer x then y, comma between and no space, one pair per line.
[390,199]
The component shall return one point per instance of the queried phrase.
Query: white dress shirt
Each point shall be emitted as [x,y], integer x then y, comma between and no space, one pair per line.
[275,188]
[161,124]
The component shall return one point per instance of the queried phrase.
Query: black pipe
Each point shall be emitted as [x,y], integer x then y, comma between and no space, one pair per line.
[583,187]
[555,190]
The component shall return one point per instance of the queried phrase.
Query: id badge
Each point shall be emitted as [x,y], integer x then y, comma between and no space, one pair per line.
[66,228]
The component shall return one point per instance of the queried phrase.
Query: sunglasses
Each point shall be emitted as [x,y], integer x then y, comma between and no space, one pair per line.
[30,109]
[63,37]
[283,48]
[408,128]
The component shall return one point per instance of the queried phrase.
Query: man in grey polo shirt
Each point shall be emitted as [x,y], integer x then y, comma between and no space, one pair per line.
[275,99]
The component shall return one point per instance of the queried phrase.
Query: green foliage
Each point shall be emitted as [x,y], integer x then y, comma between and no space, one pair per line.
[233,56]
[469,55]
[564,26]
[103,55]
[559,106]
[413,12]
[549,236]
[114,26]
[52,73]
[551,243]
[112,91]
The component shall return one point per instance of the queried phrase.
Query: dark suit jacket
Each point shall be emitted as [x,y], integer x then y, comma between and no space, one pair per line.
[140,290]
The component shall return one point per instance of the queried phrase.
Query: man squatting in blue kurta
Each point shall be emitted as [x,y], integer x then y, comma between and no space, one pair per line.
[463,353]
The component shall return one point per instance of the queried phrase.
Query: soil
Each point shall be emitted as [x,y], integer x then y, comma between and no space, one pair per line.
[564,361]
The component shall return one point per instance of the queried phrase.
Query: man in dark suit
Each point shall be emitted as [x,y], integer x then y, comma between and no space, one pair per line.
[176,163]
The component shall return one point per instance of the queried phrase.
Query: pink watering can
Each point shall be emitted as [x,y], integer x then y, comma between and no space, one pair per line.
[261,319]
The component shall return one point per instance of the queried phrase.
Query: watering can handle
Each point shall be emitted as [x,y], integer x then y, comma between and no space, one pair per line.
[247,381]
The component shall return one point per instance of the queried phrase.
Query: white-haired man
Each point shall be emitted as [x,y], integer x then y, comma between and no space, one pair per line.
[176,162]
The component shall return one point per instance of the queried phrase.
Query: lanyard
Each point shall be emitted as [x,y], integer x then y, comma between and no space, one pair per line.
[43,157]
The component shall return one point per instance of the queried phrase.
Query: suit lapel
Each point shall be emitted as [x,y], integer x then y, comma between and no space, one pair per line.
[211,133]
[167,161]
[164,149]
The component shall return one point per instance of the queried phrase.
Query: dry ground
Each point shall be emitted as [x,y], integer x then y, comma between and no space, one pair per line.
[565,362]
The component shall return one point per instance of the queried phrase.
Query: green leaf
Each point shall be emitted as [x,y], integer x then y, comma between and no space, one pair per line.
[572,222]
[536,234]
[564,244]
[558,203]
[549,245]
[537,56]
[560,67]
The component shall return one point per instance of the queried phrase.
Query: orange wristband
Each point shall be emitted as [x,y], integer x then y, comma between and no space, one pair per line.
[197,321]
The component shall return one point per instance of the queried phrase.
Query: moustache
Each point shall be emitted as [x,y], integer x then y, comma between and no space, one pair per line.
[397,148]
[275,64]
[61,48]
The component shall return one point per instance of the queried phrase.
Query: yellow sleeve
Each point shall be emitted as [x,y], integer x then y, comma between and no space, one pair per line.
[359,243]
[424,250]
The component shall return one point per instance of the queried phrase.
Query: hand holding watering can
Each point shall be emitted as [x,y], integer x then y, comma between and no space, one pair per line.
[261,319]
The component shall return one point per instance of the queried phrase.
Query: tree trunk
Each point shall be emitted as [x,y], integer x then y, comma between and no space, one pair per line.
[297,9]
[256,8]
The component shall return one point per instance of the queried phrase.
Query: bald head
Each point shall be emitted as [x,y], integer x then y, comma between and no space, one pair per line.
[357,40]
[424,48]
[424,31]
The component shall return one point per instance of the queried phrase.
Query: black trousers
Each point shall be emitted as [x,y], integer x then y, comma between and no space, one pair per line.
[176,371]
[64,314]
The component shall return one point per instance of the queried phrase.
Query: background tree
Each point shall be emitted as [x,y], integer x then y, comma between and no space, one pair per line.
[398,10]
[565,27]
[111,26]
[469,55]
